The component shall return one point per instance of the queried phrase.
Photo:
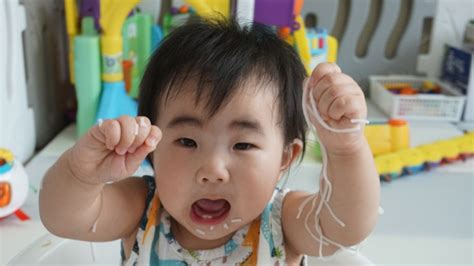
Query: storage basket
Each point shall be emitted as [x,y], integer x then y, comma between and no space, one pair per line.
[447,106]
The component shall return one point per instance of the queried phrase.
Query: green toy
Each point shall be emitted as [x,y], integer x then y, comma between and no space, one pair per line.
[137,46]
[88,83]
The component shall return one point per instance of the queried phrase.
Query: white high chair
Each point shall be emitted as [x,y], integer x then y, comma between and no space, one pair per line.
[342,257]
[52,250]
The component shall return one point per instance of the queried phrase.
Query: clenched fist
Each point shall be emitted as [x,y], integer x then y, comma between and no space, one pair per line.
[338,99]
[113,149]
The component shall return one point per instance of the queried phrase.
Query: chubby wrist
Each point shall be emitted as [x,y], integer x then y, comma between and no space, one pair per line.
[74,171]
[354,148]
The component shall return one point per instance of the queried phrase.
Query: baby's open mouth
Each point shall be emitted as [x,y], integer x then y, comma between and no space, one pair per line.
[210,212]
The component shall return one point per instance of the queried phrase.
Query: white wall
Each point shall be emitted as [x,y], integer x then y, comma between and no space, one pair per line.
[448,28]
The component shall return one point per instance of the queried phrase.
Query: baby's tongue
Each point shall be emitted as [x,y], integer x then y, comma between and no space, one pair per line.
[211,205]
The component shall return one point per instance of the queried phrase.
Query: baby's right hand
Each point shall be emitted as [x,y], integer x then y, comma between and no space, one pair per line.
[113,149]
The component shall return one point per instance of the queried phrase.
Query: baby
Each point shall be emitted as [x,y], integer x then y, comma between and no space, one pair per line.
[221,121]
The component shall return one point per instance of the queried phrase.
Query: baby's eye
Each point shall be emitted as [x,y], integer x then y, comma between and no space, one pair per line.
[243,146]
[188,143]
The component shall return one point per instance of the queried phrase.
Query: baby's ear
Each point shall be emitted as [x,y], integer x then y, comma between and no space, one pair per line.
[291,153]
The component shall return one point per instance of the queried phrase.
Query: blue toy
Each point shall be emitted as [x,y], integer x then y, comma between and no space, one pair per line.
[115,102]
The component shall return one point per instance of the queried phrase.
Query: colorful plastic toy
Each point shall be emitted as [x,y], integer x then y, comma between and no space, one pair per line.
[88,84]
[97,68]
[137,35]
[432,155]
[318,42]
[221,6]
[176,17]
[125,45]
[209,8]
[112,17]
[13,186]
[378,137]
[114,101]
[156,37]
[70,8]
[388,137]
[466,145]
[412,160]
[424,157]
[91,8]
[389,166]
[302,44]
[403,88]
[201,7]
[449,150]
[276,13]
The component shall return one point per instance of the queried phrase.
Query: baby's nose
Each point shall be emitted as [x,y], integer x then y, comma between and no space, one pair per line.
[213,171]
[212,179]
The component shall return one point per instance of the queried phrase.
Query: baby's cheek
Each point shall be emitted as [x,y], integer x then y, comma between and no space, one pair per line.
[172,199]
[254,204]
[259,191]
[167,189]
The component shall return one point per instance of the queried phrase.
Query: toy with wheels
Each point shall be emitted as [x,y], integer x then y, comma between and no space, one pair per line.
[424,157]
[13,186]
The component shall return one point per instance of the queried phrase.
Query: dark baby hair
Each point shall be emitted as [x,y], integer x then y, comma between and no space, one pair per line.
[220,56]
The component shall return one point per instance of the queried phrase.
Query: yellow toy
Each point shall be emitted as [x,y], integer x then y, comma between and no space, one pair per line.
[466,145]
[449,149]
[332,49]
[424,157]
[221,6]
[388,137]
[413,160]
[113,14]
[389,166]
[72,30]
[210,8]
[302,44]
[433,156]
[7,156]
[378,137]
[201,7]
[299,39]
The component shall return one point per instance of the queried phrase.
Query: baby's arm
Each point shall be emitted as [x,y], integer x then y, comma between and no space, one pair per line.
[351,171]
[77,199]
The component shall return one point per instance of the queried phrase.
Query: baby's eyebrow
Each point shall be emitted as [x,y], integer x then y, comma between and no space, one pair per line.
[244,124]
[239,124]
[185,120]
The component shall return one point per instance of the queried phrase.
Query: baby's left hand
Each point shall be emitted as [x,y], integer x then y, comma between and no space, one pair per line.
[338,99]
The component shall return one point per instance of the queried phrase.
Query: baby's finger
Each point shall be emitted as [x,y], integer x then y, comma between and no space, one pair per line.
[154,137]
[349,106]
[129,129]
[322,70]
[143,131]
[107,132]
[328,81]
[148,146]
[332,93]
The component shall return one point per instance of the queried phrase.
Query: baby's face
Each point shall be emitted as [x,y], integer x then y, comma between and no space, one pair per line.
[216,175]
